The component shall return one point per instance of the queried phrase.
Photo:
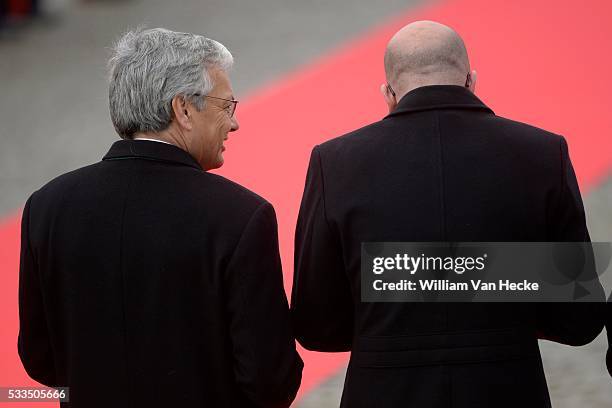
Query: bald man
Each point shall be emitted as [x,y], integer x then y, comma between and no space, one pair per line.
[441,166]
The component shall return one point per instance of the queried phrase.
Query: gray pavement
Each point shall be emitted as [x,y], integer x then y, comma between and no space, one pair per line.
[577,376]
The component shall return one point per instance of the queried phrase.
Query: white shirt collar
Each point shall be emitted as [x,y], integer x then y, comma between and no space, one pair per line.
[151,140]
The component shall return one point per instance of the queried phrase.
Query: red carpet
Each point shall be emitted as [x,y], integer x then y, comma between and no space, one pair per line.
[543,62]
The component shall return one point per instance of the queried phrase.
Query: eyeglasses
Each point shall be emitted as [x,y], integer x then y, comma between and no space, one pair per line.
[231,109]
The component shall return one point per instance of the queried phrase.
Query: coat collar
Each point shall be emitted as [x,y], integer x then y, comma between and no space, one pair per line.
[144,149]
[438,97]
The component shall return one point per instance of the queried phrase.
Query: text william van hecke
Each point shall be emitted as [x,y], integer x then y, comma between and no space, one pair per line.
[447,285]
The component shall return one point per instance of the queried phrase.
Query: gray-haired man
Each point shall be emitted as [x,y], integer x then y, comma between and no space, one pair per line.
[145,280]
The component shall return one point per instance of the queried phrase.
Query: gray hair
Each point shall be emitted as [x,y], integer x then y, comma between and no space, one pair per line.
[150,67]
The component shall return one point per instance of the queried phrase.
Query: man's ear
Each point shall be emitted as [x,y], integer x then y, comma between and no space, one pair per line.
[472,84]
[181,110]
[389,97]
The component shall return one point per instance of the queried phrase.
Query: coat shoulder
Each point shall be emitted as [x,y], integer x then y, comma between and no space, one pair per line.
[232,189]
[361,136]
[66,181]
[525,132]
[191,185]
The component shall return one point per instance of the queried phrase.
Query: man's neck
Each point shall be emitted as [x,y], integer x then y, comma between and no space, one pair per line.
[171,135]
[403,90]
[151,139]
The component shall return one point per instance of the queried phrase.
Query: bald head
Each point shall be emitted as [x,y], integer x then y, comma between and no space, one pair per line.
[425,53]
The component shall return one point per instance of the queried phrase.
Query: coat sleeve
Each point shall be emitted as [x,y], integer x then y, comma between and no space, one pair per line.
[266,364]
[34,344]
[609,332]
[321,300]
[571,323]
